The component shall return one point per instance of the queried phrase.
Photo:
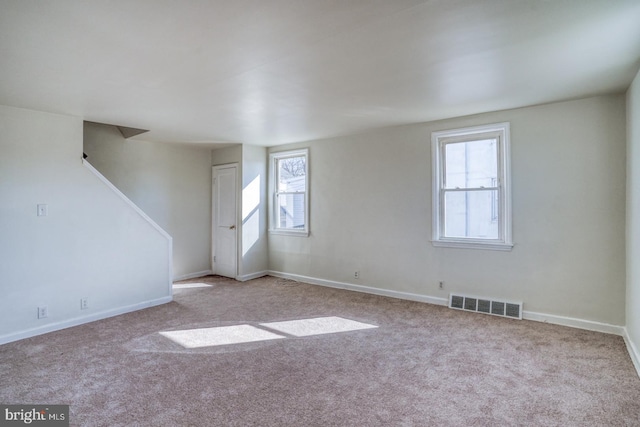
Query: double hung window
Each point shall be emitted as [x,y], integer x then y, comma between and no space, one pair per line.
[471,188]
[290,213]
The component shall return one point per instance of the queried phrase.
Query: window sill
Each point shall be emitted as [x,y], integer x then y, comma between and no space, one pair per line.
[298,233]
[472,244]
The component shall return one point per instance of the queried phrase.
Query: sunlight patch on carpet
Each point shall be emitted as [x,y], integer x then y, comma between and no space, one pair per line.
[317,326]
[190,285]
[223,335]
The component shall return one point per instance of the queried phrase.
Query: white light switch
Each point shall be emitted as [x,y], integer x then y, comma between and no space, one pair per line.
[43,210]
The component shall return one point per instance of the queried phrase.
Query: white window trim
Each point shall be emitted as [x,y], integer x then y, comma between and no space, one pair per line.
[273,157]
[505,241]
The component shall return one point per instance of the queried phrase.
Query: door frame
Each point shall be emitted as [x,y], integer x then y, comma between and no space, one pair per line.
[214,170]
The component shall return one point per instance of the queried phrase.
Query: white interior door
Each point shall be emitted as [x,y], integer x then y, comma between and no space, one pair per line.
[225,250]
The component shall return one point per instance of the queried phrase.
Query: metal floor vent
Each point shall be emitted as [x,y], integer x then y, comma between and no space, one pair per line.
[512,310]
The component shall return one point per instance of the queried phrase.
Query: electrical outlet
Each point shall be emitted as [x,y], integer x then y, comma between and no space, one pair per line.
[84,303]
[356,274]
[43,312]
[43,210]
[441,285]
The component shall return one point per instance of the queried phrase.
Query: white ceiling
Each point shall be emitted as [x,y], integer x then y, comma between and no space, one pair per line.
[269,72]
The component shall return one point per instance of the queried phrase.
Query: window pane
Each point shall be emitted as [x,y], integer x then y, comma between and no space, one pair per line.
[471,164]
[291,211]
[292,174]
[471,214]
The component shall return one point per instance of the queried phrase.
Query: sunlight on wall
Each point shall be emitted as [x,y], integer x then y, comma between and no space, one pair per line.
[250,231]
[250,215]
[250,197]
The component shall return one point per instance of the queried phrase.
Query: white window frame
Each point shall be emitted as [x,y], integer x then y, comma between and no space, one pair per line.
[274,228]
[504,242]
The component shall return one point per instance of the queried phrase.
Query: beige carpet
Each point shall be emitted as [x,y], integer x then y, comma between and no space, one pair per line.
[272,352]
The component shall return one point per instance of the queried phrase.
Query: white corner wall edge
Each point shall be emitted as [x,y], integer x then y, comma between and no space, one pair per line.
[51,327]
[140,212]
[251,276]
[193,275]
[633,350]
[359,288]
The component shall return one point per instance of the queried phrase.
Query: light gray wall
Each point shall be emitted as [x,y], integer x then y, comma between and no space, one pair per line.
[371,211]
[171,183]
[223,156]
[254,252]
[92,243]
[633,216]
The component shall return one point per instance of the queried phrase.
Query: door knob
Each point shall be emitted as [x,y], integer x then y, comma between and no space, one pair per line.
[233,227]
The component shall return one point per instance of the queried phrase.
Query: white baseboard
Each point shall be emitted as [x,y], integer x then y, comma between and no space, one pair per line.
[573,322]
[633,351]
[192,275]
[359,288]
[51,327]
[251,276]
[527,315]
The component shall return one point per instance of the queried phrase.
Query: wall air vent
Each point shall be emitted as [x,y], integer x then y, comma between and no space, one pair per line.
[511,310]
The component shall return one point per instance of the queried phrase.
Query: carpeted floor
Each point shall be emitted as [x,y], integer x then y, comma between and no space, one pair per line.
[423,365]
